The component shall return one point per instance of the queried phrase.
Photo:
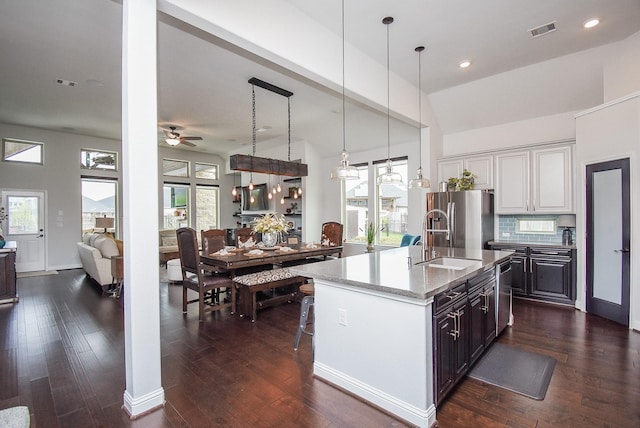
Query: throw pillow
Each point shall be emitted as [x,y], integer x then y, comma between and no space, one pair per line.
[107,246]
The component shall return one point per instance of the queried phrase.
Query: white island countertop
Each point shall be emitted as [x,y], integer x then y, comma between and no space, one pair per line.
[388,271]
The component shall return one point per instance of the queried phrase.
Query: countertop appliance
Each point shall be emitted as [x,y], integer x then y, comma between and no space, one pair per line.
[470,218]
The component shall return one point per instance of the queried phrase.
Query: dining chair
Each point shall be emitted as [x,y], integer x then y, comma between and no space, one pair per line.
[332,233]
[194,278]
[408,239]
[243,234]
[213,240]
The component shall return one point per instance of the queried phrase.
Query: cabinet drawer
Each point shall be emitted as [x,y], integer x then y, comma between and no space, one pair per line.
[554,252]
[446,298]
[482,279]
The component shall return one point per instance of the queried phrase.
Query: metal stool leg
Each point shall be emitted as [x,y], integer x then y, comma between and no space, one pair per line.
[305,306]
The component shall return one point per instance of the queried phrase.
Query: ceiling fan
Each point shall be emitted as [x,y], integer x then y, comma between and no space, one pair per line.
[174,138]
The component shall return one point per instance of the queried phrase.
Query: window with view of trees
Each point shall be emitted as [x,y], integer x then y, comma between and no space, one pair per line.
[392,204]
[22,151]
[356,206]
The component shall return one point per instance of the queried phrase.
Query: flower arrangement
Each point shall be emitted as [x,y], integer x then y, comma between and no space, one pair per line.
[270,222]
[3,216]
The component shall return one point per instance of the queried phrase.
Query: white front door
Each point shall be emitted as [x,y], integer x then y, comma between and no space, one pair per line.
[25,224]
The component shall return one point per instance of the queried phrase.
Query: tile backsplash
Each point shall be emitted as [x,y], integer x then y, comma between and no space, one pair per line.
[507,231]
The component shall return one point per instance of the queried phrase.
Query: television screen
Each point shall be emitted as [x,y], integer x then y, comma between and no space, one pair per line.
[260,198]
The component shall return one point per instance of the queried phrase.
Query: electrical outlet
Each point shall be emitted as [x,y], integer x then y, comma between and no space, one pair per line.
[342,316]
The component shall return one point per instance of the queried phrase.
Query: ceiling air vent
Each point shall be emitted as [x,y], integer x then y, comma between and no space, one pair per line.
[65,82]
[543,29]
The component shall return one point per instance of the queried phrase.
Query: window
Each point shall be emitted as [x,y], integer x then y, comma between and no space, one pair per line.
[175,206]
[392,205]
[99,205]
[537,226]
[355,209]
[207,207]
[22,151]
[91,159]
[206,171]
[175,168]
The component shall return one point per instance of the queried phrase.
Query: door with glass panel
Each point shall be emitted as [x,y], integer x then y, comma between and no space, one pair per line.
[25,224]
[608,240]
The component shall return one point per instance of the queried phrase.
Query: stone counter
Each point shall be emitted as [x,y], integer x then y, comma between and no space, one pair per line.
[390,272]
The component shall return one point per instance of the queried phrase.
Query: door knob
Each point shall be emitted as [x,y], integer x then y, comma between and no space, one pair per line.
[622,250]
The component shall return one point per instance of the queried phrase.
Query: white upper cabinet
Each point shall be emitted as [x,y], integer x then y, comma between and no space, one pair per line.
[512,183]
[449,168]
[537,181]
[482,167]
[552,180]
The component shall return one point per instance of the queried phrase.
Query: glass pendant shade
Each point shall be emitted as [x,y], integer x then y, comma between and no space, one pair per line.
[389,176]
[419,182]
[344,171]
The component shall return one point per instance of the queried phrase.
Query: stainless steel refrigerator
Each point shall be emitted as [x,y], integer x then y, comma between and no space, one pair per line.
[470,216]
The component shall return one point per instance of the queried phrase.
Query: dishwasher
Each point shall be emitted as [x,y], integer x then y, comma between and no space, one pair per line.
[504,316]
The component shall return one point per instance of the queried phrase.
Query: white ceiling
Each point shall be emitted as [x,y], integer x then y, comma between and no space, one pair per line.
[203,81]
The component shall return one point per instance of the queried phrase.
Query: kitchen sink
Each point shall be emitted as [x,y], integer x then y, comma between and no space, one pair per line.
[451,263]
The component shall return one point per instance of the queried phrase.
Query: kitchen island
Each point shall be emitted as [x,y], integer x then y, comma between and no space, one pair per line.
[374,322]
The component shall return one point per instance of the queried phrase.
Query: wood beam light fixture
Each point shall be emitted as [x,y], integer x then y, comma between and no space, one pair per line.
[253,163]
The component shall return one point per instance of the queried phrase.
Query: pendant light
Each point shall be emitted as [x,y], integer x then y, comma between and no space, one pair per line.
[389,176]
[344,171]
[419,182]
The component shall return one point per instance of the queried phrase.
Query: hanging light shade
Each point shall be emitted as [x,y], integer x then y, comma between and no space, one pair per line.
[344,171]
[389,176]
[419,182]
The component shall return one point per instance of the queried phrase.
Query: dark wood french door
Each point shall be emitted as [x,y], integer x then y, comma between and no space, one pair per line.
[608,240]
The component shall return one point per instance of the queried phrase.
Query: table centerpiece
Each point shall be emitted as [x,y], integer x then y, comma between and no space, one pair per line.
[270,225]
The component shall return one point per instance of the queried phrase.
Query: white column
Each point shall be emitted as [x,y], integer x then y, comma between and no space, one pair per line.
[143,391]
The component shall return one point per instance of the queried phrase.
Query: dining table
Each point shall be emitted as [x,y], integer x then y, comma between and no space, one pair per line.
[239,258]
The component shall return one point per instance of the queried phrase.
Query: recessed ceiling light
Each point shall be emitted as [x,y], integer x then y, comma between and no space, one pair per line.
[465,64]
[591,23]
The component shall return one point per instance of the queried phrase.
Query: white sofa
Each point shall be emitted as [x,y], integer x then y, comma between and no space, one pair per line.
[95,253]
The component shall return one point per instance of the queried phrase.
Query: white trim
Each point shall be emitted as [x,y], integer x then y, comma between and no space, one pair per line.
[607,104]
[417,416]
[143,403]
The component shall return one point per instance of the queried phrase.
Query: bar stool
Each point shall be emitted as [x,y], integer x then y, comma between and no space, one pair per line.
[305,306]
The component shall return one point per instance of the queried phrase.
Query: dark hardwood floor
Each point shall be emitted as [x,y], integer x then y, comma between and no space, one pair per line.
[62,354]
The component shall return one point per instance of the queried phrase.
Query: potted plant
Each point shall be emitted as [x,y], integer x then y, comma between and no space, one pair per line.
[371,235]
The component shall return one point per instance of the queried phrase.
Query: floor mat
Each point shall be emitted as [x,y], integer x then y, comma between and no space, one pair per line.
[517,370]
[36,273]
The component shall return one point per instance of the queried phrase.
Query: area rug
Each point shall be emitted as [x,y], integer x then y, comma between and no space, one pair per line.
[36,273]
[517,370]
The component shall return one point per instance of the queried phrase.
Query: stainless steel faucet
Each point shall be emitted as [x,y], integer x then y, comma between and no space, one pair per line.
[447,230]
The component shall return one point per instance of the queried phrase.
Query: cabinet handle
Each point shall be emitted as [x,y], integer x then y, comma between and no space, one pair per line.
[458,316]
[530,265]
[453,295]
[454,333]
[551,253]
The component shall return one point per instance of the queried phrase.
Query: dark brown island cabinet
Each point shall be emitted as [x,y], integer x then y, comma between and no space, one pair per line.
[8,293]
[464,327]
[541,272]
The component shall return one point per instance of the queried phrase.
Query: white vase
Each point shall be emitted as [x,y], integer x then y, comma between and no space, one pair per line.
[270,239]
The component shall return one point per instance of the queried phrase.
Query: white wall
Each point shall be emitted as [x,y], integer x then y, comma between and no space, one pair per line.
[59,177]
[609,132]
[622,69]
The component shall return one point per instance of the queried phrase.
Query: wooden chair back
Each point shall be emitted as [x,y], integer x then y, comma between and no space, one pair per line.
[332,233]
[243,234]
[188,250]
[213,240]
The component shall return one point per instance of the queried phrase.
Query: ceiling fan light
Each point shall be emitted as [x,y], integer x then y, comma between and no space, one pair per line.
[172,141]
